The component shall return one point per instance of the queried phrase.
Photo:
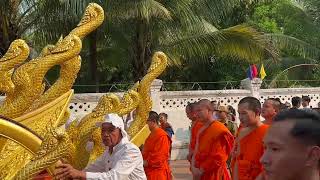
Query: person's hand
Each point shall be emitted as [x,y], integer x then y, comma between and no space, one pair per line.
[189,157]
[66,171]
[261,176]
[197,173]
[145,163]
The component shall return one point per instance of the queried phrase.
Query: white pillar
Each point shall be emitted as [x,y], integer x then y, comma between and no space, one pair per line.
[253,85]
[155,94]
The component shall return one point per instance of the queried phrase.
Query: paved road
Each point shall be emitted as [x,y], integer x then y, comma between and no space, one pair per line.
[180,170]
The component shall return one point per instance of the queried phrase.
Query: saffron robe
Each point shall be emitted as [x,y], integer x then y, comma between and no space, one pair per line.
[213,146]
[194,131]
[156,154]
[247,153]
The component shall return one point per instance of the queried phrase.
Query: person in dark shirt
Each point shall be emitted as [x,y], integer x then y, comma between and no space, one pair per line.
[165,125]
[296,102]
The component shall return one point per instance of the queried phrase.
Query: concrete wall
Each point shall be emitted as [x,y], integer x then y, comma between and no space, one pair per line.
[173,103]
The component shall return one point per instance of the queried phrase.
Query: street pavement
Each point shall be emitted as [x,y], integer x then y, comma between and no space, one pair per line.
[180,170]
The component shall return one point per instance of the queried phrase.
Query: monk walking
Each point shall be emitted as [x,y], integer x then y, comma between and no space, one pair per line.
[156,151]
[195,126]
[249,142]
[213,145]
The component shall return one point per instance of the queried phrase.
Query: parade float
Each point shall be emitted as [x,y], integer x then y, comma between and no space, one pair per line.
[33,135]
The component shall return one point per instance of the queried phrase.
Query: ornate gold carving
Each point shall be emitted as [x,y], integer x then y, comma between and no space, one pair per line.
[158,65]
[16,54]
[92,19]
[13,156]
[28,78]
[43,112]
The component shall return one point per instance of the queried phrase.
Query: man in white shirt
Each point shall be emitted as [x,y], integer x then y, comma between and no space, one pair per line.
[122,160]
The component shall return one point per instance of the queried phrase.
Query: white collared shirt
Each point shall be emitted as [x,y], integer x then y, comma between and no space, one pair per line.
[124,163]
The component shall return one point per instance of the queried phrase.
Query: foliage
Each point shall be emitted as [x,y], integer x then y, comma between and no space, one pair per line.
[191,32]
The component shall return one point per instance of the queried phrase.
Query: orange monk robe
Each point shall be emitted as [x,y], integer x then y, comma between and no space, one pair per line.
[213,146]
[156,154]
[248,153]
[194,131]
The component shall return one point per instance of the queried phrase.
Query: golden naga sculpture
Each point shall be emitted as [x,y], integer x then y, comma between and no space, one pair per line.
[41,143]
[78,134]
[92,19]
[24,94]
[28,78]
[55,146]
[158,65]
[18,52]
[13,156]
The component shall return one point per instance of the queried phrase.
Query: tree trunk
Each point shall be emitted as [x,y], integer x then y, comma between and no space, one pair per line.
[93,59]
[8,33]
[141,50]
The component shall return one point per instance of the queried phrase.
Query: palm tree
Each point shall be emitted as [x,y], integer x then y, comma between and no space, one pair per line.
[134,29]
[9,21]
[299,62]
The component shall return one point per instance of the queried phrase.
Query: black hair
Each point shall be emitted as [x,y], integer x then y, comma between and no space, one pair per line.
[164,114]
[253,104]
[306,127]
[296,101]
[153,116]
[306,98]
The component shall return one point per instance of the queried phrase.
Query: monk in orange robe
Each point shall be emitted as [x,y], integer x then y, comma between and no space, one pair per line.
[156,151]
[194,131]
[195,126]
[248,148]
[213,146]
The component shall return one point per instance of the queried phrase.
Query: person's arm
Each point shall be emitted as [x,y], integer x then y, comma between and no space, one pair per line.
[161,153]
[67,171]
[261,176]
[126,163]
[219,152]
[169,131]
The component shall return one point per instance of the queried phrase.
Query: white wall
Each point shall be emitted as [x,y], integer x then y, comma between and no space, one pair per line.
[173,103]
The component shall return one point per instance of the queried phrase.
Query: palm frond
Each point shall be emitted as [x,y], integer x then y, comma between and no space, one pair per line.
[240,42]
[244,42]
[299,47]
[214,11]
[137,9]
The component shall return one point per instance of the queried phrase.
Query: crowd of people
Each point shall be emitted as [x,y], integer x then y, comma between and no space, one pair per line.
[284,146]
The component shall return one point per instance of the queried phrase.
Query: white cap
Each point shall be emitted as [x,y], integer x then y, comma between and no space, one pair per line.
[116,121]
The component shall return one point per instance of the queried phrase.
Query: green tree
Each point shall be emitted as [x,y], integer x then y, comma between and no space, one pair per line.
[186,30]
[290,21]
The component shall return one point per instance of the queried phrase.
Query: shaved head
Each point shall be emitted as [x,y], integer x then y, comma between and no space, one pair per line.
[205,103]
[191,106]
[204,111]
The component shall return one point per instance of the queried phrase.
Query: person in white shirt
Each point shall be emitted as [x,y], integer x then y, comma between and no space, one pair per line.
[121,161]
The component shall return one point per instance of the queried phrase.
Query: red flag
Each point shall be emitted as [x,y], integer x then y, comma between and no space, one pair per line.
[254,71]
